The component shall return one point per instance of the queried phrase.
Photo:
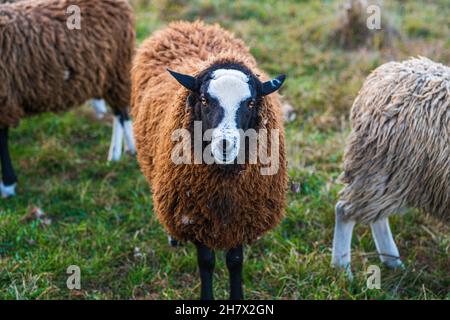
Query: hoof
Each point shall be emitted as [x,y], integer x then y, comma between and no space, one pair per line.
[394,264]
[7,191]
[345,269]
[114,158]
[173,242]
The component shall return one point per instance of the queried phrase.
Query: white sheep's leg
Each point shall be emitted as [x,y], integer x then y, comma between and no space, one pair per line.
[129,136]
[385,244]
[99,106]
[342,240]
[115,150]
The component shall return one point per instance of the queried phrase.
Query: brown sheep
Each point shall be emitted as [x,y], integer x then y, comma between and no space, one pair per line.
[224,204]
[46,65]
[397,155]
[99,105]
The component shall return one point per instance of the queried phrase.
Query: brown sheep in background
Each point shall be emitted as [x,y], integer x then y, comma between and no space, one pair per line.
[45,66]
[397,155]
[99,105]
[216,206]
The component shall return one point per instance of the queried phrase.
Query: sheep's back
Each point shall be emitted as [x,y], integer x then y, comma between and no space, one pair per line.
[398,153]
[49,67]
[183,45]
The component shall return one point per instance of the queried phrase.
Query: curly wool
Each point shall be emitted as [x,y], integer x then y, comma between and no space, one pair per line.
[199,202]
[398,153]
[46,67]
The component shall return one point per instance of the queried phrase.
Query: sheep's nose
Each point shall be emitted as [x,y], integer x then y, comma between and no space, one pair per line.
[224,146]
[225,149]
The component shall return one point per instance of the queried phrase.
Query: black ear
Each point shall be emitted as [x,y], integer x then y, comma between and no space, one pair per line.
[185,80]
[272,85]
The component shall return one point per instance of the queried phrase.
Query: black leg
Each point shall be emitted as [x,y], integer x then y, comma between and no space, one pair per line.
[235,261]
[206,261]
[9,176]
[123,116]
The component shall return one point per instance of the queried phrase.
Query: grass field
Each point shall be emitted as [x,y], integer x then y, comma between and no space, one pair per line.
[101,214]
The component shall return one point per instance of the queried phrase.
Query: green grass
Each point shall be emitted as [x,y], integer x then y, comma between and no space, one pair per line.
[102,212]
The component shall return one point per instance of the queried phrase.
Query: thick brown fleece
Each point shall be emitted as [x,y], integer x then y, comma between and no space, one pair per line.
[198,202]
[398,153]
[44,66]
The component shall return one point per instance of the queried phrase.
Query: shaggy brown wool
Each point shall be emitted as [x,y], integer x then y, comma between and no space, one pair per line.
[398,153]
[198,202]
[44,66]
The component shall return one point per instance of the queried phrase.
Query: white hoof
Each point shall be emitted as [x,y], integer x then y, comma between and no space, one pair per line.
[173,242]
[7,191]
[394,264]
[99,106]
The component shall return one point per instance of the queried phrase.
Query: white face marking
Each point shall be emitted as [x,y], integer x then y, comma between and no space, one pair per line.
[230,88]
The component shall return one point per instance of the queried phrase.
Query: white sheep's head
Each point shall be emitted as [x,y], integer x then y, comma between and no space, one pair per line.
[226,98]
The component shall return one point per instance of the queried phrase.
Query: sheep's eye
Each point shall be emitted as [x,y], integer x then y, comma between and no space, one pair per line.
[251,104]
[204,102]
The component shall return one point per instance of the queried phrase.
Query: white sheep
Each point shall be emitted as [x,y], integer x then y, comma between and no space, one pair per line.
[397,155]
